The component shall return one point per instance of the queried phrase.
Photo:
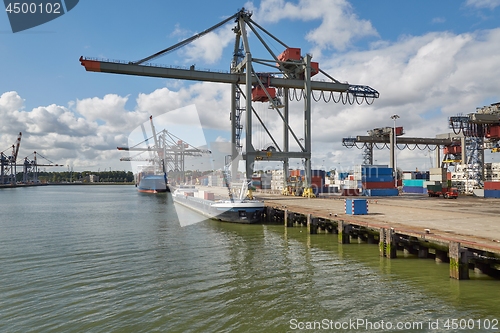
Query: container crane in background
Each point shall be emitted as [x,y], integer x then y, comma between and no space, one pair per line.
[383,137]
[30,167]
[8,163]
[480,131]
[289,77]
[168,151]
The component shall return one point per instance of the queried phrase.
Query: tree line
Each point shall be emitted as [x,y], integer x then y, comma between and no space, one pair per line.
[83,177]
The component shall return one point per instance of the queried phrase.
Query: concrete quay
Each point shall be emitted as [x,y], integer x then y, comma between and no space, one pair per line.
[464,232]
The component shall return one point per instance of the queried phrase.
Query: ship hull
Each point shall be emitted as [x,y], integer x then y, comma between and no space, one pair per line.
[239,211]
[152,184]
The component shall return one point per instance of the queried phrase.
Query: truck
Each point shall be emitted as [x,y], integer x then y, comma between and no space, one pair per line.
[437,190]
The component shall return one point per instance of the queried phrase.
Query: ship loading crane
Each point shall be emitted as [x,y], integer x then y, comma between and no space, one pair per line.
[30,167]
[168,152]
[291,72]
[384,137]
[480,131]
[8,163]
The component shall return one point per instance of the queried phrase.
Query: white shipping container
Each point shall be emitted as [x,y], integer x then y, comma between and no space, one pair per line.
[408,175]
[437,171]
[438,178]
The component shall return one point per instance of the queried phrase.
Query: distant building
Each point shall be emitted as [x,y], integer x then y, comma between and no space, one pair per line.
[94,179]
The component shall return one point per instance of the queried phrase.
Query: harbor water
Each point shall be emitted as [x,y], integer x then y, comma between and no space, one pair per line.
[109,259]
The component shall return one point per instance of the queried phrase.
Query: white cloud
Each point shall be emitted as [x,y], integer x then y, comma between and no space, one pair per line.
[339,24]
[491,4]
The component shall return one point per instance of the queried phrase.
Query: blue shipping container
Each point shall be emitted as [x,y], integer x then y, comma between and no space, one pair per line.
[356,206]
[320,173]
[379,192]
[368,179]
[343,175]
[374,172]
[414,189]
[492,194]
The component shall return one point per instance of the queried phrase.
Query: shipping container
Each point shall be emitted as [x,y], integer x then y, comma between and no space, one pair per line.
[356,206]
[408,175]
[368,179]
[350,192]
[318,173]
[435,187]
[209,196]
[492,194]
[372,185]
[492,185]
[414,189]
[413,182]
[343,175]
[388,192]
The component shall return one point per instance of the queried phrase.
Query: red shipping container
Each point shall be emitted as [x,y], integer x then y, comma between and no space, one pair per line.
[448,176]
[493,132]
[294,173]
[350,192]
[209,196]
[383,185]
[492,185]
[351,177]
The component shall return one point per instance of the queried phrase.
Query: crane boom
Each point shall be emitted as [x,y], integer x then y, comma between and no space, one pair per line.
[116,67]
[15,149]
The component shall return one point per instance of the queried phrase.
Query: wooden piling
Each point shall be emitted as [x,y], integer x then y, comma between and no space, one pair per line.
[423,252]
[343,232]
[312,224]
[288,219]
[459,261]
[387,243]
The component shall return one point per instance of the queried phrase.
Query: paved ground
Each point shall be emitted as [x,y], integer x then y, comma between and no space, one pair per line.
[466,218]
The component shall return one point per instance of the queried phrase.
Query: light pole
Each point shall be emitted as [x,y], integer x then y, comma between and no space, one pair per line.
[394,117]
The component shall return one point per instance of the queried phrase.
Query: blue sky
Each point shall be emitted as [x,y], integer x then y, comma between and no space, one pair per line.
[428,59]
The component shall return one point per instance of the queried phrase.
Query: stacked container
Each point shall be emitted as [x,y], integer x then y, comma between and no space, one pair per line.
[376,180]
[256,181]
[438,174]
[414,186]
[492,171]
[266,180]
[317,181]
[277,180]
[492,189]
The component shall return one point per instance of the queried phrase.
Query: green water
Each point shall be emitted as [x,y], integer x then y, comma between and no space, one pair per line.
[107,259]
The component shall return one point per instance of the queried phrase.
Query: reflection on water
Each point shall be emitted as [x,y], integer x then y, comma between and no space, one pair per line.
[104,258]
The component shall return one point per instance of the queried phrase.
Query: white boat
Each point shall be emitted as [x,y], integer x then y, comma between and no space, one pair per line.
[236,210]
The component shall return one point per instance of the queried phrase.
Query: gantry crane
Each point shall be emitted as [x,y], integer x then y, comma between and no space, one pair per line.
[384,136]
[480,130]
[30,168]
[8,163]
[290,72]
[168,152]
